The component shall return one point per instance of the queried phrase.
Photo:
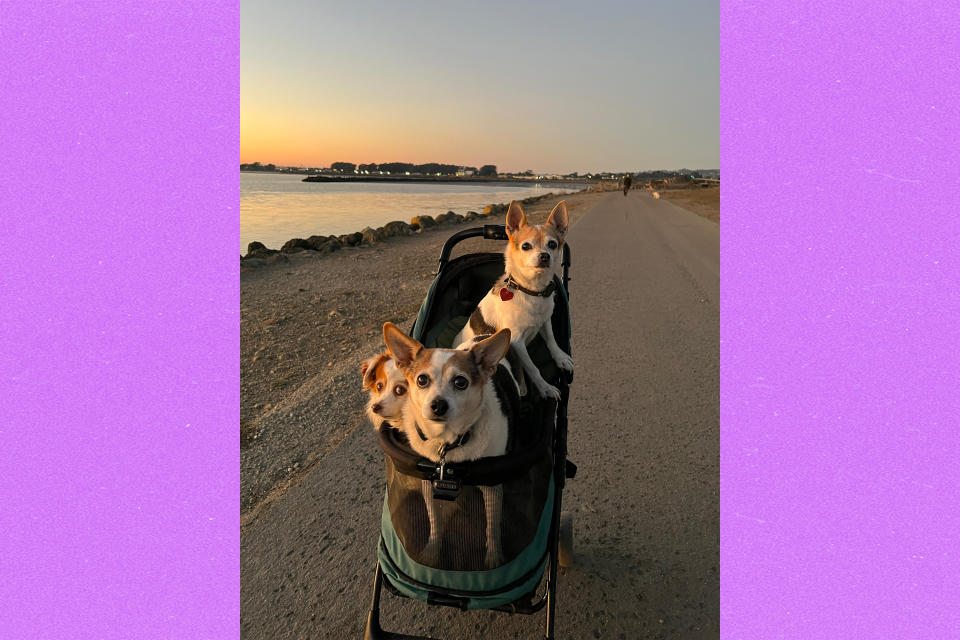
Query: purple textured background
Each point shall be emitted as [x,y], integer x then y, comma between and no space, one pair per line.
[119,299]
[119,302]
[840,307]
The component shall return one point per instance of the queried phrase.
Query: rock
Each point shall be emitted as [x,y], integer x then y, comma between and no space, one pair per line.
[330,247]
[370,235]
[324,244]
[252,263]
[424,221]
[448,218]
[415,227]
[351,239]
[495,209]
[397,228]
[471,215]
[317,242]
[258,250]
[294,245]
[278,258]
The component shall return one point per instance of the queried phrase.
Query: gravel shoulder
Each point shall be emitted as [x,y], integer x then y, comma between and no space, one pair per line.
[703,202]
[305,326]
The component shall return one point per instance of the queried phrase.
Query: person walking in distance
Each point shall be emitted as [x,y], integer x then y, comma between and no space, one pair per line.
[627,181]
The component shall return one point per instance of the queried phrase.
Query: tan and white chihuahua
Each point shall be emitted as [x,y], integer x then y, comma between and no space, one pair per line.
[388,390]
[452,413]
[522,300]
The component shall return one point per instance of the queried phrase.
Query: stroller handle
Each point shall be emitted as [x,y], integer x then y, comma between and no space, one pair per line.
[488,231]
[494,232]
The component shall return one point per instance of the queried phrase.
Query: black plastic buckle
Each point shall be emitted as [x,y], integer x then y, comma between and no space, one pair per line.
[445,487]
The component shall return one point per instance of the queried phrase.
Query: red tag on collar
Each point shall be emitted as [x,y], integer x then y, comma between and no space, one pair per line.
[505,294]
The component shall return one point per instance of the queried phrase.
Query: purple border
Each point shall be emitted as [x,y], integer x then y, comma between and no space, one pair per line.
[119,320]
[119,362]
[840,307]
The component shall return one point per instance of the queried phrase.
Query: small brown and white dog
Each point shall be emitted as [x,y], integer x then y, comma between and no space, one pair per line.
[522,300]
[388,390]
[453,414]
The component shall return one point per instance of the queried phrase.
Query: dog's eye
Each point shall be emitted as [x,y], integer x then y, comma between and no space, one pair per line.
[423,380]
[379,386]
[552,244]
[460,383]
[399,390]
[526,246]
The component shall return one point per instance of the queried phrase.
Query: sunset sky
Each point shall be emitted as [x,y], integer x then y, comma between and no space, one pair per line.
[551,87]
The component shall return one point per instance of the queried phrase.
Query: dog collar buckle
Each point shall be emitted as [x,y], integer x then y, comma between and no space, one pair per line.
[445,488]
[543,293]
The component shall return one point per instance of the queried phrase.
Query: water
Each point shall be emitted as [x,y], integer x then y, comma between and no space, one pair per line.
[277,207]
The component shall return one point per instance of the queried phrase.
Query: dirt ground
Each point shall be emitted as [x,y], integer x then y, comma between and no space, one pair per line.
[703,202]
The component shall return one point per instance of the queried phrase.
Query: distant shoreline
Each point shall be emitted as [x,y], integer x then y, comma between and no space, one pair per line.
[450,180]
[582,183]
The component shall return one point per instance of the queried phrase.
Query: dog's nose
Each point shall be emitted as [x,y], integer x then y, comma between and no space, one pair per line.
[544,258]
[376,408]
[439,406]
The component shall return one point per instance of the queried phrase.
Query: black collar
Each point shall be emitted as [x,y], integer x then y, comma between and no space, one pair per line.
[462,440]
[548,290]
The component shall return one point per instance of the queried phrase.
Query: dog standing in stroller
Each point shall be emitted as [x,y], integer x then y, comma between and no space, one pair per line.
[454,569]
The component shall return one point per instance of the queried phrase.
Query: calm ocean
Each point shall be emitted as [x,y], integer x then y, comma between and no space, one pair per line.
[276,207]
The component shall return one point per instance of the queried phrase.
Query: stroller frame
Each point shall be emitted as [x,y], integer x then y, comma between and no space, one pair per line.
[562,469]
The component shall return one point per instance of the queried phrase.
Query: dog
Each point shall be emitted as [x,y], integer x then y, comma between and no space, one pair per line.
[387,388]
[522,299]
[452,414]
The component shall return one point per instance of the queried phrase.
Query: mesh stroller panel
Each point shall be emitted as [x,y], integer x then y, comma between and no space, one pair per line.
[461,527]
[458,559]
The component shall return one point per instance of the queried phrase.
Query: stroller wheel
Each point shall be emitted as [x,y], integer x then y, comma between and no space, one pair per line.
[565,542]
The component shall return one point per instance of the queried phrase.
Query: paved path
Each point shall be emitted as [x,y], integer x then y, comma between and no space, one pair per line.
[644,430]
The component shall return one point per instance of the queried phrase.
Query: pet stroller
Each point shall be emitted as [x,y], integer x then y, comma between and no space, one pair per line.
[534,537]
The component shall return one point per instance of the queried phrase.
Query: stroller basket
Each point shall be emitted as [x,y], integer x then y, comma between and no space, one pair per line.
[483,533]
[457,562]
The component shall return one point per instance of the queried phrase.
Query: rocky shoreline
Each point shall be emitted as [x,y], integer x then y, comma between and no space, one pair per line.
[259,255]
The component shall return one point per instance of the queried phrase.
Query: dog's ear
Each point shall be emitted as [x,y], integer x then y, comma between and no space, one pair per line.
[558,218]
[401,347]
[488,353]
[516,219]
[368,369]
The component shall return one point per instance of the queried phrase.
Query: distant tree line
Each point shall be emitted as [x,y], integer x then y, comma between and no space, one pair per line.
[429,168]
[256,166]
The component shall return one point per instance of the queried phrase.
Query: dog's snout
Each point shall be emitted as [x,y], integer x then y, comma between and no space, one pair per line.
[544,258]
[376,408]
[439,406]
